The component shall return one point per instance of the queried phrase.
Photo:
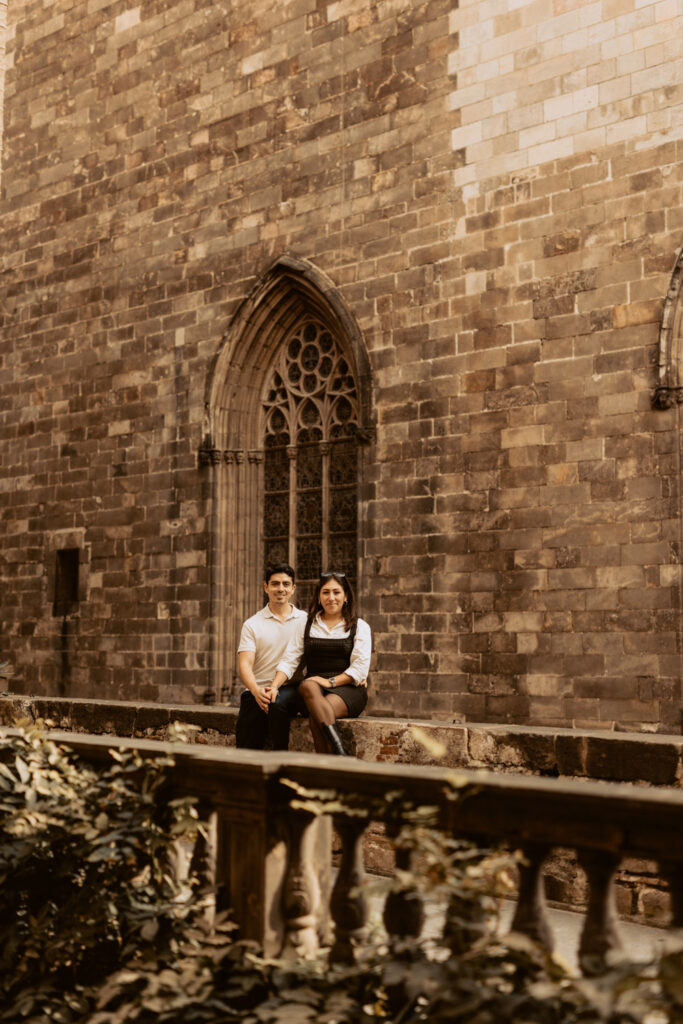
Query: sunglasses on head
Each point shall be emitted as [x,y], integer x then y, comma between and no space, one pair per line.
[326,575]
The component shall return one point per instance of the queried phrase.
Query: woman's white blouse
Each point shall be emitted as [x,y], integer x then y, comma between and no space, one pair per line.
[359,666]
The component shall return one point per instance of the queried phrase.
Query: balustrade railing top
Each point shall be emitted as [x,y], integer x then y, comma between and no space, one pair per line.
[272,862]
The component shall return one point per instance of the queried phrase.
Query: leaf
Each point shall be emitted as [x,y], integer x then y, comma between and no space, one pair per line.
[434,747]
[22,769]
[149,930]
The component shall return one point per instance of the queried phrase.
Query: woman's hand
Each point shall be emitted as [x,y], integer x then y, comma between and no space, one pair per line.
[320,680]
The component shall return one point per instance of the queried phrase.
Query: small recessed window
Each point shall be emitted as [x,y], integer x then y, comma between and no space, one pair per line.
[66,580]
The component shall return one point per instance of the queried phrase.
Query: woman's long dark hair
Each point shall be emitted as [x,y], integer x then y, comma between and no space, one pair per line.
[349,608]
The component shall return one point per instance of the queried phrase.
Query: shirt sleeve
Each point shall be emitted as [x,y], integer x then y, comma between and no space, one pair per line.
[247,638]
[359,666]
[289,662]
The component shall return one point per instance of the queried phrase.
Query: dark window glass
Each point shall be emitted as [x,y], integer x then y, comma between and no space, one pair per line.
[311,458]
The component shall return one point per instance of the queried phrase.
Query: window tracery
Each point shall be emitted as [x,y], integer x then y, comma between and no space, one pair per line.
[311,455]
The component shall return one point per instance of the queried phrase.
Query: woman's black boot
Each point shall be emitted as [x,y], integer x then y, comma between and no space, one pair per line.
[331,734]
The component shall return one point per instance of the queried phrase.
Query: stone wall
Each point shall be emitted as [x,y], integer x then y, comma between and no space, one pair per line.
[550,79]
[493,194]
[3,31]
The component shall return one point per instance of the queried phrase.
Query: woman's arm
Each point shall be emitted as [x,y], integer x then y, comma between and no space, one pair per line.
[359,666]
[339,680]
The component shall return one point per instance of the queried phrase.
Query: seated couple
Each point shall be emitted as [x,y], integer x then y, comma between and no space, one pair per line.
[330,644]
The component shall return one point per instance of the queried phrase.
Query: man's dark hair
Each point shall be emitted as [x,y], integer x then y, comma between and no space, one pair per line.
[279,567]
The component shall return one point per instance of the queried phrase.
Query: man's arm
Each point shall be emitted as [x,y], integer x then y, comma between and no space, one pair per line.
[278,680]
[245,665]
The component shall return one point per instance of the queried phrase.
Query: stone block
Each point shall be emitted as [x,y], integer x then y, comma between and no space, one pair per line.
[511,750]
[207,720]
[628,761]
[55,711]
[625,898]
[152,722]
[653,906]
[15,709]
[106,718]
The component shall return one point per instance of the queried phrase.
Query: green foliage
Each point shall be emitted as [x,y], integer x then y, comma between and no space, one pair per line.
[84,881]
[94,929]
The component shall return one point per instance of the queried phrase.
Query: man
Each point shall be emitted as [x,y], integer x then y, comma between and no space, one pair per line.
[263,641]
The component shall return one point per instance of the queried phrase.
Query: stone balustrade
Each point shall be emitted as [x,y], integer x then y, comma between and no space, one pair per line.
[272,860]
[638,758]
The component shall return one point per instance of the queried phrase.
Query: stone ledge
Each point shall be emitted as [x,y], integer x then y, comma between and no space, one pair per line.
[574,753]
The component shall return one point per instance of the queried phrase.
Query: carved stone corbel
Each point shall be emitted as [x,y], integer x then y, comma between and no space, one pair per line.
[366,435]
[665,396]
[232,456]
[204,453]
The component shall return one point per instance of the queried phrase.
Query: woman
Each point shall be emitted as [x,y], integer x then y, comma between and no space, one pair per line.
[336,648]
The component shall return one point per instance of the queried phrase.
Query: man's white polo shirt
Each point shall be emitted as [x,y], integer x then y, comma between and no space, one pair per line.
[268,637]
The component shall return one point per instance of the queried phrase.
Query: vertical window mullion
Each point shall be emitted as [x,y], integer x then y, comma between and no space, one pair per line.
[291,455]
[325,452]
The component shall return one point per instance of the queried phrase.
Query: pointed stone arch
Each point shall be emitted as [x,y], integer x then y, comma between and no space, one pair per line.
[669,390]
[291,290]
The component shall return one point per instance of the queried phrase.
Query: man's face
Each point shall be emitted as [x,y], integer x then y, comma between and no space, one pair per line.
[279,589]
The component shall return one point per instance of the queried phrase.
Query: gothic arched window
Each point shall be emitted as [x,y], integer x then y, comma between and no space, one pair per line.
[311,457]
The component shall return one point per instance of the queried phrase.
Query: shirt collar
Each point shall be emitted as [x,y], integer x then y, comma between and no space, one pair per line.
[269,615]
[330,629]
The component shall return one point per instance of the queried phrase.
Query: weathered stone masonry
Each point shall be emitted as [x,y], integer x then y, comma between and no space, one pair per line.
[487,198]
[3,30]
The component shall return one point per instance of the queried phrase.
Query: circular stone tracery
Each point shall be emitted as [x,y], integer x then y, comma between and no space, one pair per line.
[320,389]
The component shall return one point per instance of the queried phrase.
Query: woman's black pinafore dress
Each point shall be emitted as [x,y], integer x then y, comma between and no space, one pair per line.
[327,658]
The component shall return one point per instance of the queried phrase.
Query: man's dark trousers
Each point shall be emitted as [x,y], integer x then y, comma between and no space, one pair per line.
[255,726]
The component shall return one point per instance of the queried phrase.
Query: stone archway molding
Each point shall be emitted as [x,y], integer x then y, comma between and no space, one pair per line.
[231,448]
[253,337]
[669,389]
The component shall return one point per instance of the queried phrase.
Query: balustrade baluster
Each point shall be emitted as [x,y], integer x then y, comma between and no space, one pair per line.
[403,911]
[301,897]
[203,861]
[600,935]
[349,910]
[531,916]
